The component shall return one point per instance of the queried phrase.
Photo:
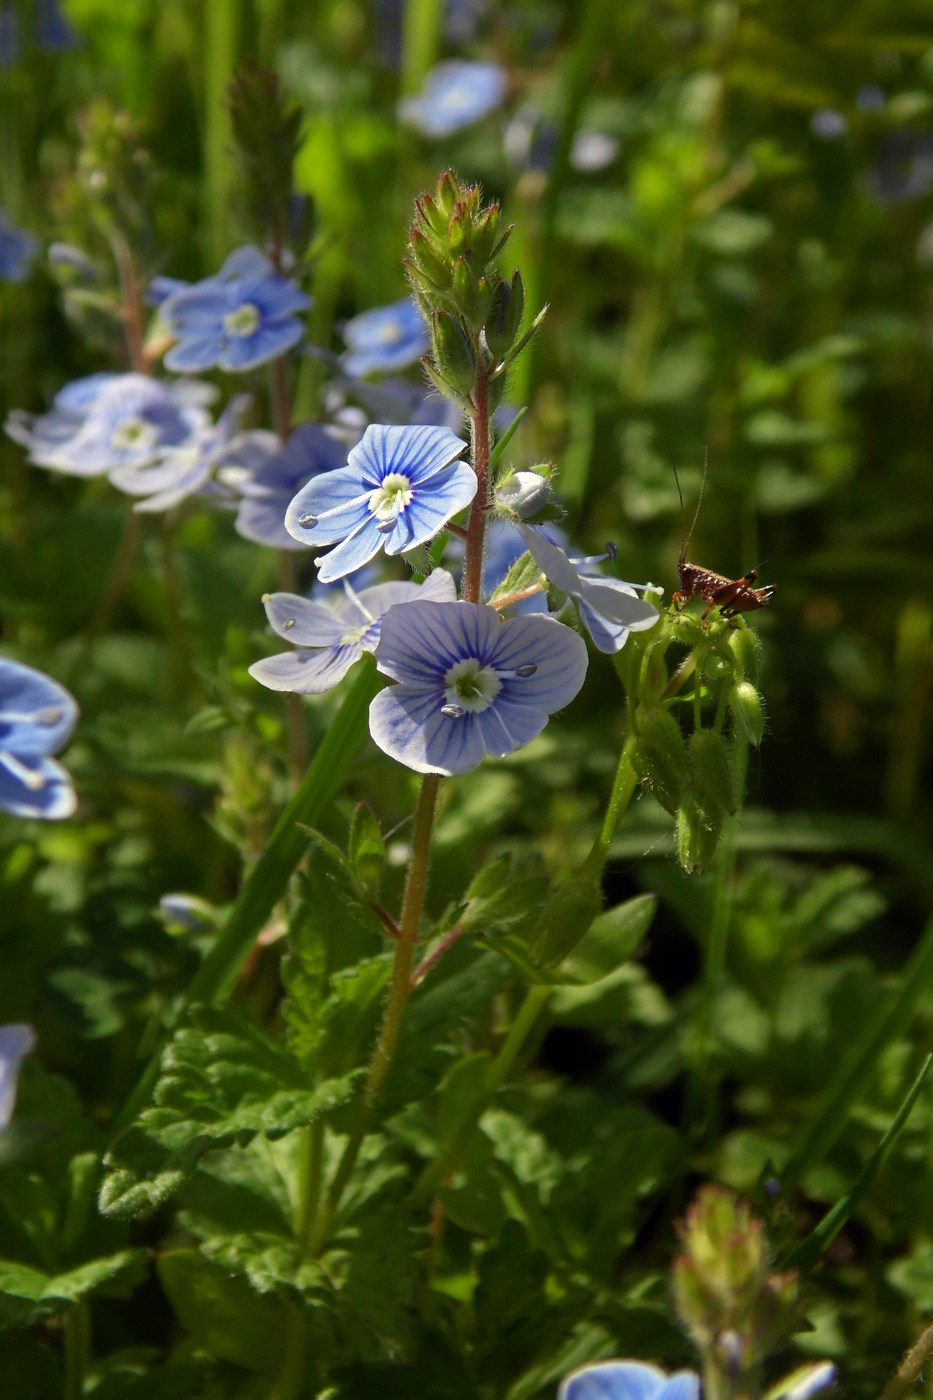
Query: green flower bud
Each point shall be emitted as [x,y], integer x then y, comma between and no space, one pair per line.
[660,756]
[486,238]
[747,710]
[745,647]
[713,781]
[447,195]
[505,317]
[453,352]
[430,266]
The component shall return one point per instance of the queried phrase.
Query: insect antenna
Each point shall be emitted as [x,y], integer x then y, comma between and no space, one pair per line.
[686,538]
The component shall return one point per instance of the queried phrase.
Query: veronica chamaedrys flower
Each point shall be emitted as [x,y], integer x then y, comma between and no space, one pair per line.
[110,421]
[183,471]
[16,1042]
[608,608]
[469,683]
[266,475]
[454,94]
[37,716]
[628,1380]
[242,317]
[399,488]
[384,339]
[332,635]
[17,250]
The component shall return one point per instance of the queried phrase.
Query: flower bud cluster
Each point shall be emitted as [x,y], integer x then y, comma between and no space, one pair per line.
[697,777]
[736,1309]
[475,315]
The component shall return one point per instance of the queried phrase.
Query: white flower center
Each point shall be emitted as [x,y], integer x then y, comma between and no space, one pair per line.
[389,500]
[243,321]
[132,433]
[469,685]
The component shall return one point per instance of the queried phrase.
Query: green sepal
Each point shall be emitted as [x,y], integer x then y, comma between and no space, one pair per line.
[444,386]
[746,648]
[660,756]
[505,316]
[748,712]
[713,779]
[698,833]
[523,574]
[454,356]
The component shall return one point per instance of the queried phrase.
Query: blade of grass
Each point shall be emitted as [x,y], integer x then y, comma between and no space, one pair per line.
[806,1254]
[421,36]
[266,882]
[221,39]
[857,1072]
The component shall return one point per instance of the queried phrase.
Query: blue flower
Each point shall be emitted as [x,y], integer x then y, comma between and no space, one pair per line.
[385,338]
[183,471]
[334,635]
[240,318]
[268,479]
[37,716]
[17,250]
[608,608]
[16,1042]
[399,487]
[469,684]
[455,95]
[628,1380]
[108,421]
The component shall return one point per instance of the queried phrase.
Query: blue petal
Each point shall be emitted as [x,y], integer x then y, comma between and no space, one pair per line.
[607,637]
[421,641]
[35,787]
[682,1385]
[266,343]
[338,501]
[613,1380]
[196,352]
[618,602]
[306,672]
[16,1042]
[37,715]
[431,506]
[506,727]
[276,297]
[201,306]
[301,621]
[245,262]
[352,553]
[557,652]
[407,724]
[414,451]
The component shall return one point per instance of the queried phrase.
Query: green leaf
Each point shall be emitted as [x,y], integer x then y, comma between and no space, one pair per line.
[808,1252]
[222,1312]
[366,850]
[29,1295]
[222,1081]
[266,882]
[611,940]
[860,1065]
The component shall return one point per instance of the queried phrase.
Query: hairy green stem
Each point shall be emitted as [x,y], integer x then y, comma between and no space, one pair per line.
[399,990]
[77,1349]
[911,1366]
[623,787]
[480,447]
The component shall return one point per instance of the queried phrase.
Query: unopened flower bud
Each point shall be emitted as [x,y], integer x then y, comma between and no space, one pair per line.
[505,318]
[523,493]
[713,782]
[660,757]
[744,644]
[746,707]
[453,353]
[698,833]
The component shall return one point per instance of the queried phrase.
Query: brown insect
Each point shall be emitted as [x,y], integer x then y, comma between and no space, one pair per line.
[730,595]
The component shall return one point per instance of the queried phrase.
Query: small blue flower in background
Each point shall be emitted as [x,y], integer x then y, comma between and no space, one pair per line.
[334,635]
[455,95]
[183,471]
[399,488]
[49,30]
[384,339]
[608,608]
[37,716]
[469,684]
[242,317]
[267,476]
[628,1380]
[109,421]
[16,1042]
[17,250]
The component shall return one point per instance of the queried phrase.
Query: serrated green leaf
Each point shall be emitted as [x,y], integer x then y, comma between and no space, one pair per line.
[524,573]
[222,1081]
[29,1295]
